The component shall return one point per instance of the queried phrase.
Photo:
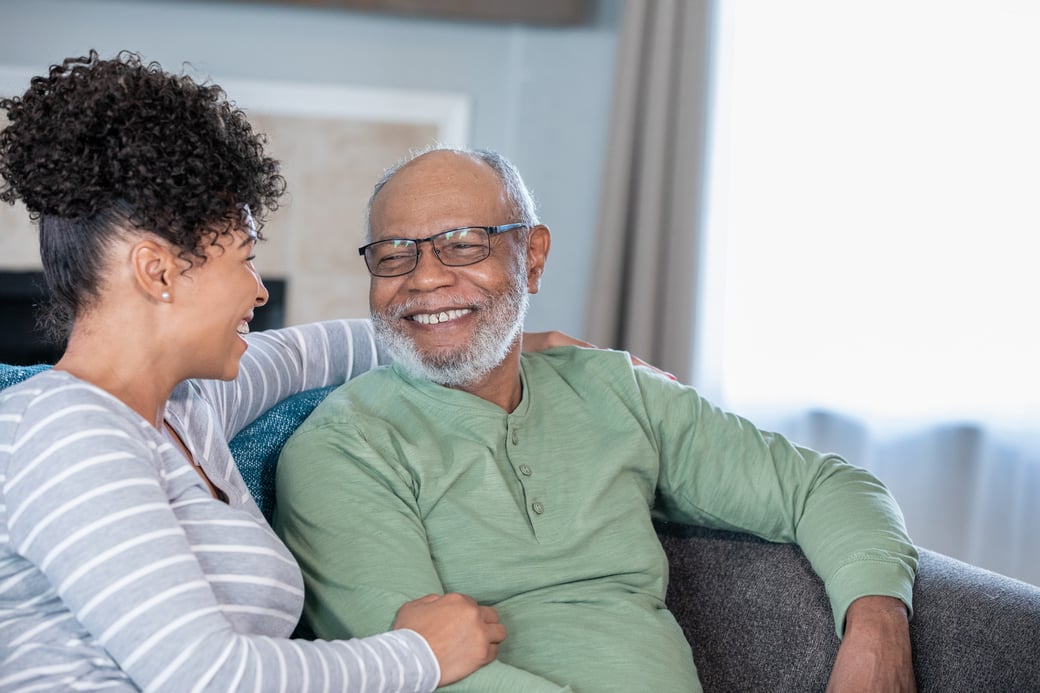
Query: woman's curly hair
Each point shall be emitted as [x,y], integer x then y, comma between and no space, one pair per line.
[98,145]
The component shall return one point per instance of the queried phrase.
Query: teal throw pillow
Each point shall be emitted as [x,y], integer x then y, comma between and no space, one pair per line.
[257,446]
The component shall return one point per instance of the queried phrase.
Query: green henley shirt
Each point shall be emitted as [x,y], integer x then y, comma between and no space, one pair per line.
[396,488]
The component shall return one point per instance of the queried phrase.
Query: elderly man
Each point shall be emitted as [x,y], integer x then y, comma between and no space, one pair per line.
[529,480]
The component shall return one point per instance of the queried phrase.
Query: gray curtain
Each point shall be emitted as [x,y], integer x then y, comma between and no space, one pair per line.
[644,276]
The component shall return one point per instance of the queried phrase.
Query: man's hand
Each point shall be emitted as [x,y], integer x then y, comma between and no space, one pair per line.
[540,341]
[875,652]
[463,635]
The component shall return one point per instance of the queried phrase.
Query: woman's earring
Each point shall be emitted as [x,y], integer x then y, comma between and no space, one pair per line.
[165,296]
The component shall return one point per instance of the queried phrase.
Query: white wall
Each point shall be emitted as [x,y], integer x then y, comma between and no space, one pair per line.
[539,95]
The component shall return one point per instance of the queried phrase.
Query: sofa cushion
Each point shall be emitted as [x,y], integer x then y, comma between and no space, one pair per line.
[12,375]
[256,447]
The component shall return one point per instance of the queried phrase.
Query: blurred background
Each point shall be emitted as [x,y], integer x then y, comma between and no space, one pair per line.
[537,90]
[821,214]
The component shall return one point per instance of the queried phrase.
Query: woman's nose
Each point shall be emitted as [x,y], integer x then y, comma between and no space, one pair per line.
[262,295]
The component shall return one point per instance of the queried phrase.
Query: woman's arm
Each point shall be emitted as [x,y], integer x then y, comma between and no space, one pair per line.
[88,500]
[540,341]
[283,362]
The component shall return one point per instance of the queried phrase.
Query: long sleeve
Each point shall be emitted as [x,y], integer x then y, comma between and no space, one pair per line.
[396,487]
[719,470]
[351,517]
[278,363]
[282,362]
[107,532]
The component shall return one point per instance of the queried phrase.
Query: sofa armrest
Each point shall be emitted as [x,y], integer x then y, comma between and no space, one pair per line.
[757,618]
[756,615]
[974,630]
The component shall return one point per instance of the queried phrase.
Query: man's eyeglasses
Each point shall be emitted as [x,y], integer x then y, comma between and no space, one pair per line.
[469,245]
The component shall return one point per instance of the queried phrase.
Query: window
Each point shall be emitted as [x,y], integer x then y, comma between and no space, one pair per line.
[874,214]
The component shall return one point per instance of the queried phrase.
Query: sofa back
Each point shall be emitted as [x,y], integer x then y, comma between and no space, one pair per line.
[12,375]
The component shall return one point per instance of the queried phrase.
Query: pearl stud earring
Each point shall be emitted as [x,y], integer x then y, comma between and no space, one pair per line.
[165,296]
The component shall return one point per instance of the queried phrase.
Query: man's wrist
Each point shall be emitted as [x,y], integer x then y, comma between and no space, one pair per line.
[875,609]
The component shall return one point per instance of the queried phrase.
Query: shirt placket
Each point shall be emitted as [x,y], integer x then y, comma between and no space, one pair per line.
[533,478]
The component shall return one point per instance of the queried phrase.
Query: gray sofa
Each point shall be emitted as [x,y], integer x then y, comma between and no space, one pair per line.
[755,614]
[758,619]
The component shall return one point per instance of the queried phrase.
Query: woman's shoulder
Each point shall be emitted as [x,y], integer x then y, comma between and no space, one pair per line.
[54,420]
[19,395]
[54,399]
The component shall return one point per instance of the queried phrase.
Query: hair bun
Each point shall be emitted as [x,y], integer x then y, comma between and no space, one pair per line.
[94,133]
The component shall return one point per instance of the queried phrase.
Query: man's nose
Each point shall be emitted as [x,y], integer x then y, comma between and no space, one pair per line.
[430,273]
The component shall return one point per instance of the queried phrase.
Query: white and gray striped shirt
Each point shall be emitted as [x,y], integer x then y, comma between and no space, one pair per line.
[119,570]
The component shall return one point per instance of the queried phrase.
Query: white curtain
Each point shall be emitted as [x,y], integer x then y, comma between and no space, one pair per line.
[873,239]
[966,489]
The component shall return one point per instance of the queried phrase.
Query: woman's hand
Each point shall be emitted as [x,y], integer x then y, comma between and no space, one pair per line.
[540,341]
[463,635]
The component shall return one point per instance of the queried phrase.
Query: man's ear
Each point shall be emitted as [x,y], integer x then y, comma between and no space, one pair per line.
[154,266]
[538,241]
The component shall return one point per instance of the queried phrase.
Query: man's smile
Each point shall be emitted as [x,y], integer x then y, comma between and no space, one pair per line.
[437,318]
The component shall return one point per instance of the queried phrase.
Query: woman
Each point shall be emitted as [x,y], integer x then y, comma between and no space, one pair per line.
[131,553]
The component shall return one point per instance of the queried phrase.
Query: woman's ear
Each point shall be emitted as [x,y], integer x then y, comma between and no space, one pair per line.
[154,266]
[538,242]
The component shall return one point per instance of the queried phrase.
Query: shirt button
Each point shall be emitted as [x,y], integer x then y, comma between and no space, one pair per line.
[525,470]
[538,508]
[516,436]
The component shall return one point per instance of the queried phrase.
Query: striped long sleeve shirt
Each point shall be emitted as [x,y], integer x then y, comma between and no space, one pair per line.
[120,571]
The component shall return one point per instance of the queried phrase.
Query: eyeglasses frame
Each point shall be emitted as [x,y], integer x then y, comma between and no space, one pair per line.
[490,230]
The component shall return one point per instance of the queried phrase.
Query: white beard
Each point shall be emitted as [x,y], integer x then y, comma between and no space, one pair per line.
[500,321]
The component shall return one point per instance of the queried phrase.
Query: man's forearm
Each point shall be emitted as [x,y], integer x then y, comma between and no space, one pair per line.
[875,654]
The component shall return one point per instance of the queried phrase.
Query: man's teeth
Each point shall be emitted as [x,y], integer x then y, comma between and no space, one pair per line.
[243,328]
[443,316]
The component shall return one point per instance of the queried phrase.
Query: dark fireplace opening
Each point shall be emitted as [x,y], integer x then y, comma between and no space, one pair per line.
[20,342]
[22,293]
